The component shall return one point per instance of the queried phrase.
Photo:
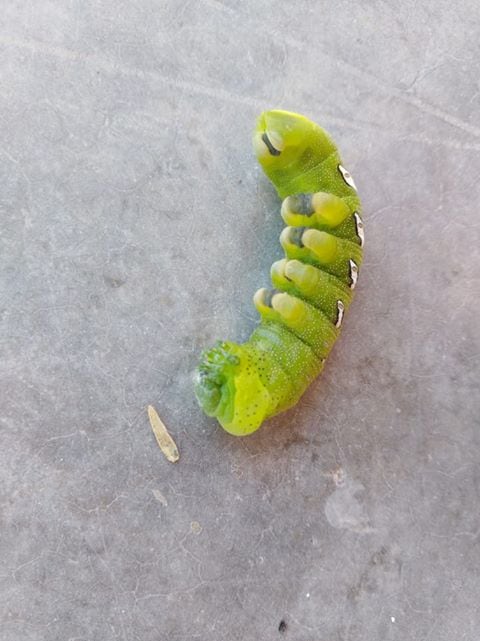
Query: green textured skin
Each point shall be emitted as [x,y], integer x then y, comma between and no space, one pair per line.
[242,385]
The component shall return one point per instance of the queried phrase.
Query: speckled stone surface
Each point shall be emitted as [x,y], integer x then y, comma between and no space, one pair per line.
[135,228]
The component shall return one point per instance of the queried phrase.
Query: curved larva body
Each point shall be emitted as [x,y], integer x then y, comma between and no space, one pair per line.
[301,315]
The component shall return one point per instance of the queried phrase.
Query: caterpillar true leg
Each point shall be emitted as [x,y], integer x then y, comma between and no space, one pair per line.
[311,284]
[320,248]
[314,210]
[241,385]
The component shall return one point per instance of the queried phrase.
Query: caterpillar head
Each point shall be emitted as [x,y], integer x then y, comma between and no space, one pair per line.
[288,144]
[228,387]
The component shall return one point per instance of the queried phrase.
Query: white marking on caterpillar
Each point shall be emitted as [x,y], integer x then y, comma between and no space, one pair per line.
[353,273]
[340,312]
[360,228]
[268,143]
[347,177]
[276,140]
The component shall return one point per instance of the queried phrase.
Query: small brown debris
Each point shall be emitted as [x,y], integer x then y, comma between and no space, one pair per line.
[164,440]
[195,527]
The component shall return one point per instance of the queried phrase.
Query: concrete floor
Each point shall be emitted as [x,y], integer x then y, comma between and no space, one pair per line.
[135,228]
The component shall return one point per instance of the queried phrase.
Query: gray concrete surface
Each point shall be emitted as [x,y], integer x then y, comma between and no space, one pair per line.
[135,227]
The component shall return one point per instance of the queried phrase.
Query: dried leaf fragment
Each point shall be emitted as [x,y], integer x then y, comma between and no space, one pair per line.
[164,440]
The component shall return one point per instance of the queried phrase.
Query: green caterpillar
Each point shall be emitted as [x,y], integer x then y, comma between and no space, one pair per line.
[242,385]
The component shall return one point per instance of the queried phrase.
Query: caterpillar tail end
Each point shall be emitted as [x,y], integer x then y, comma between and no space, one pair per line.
[228,387]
